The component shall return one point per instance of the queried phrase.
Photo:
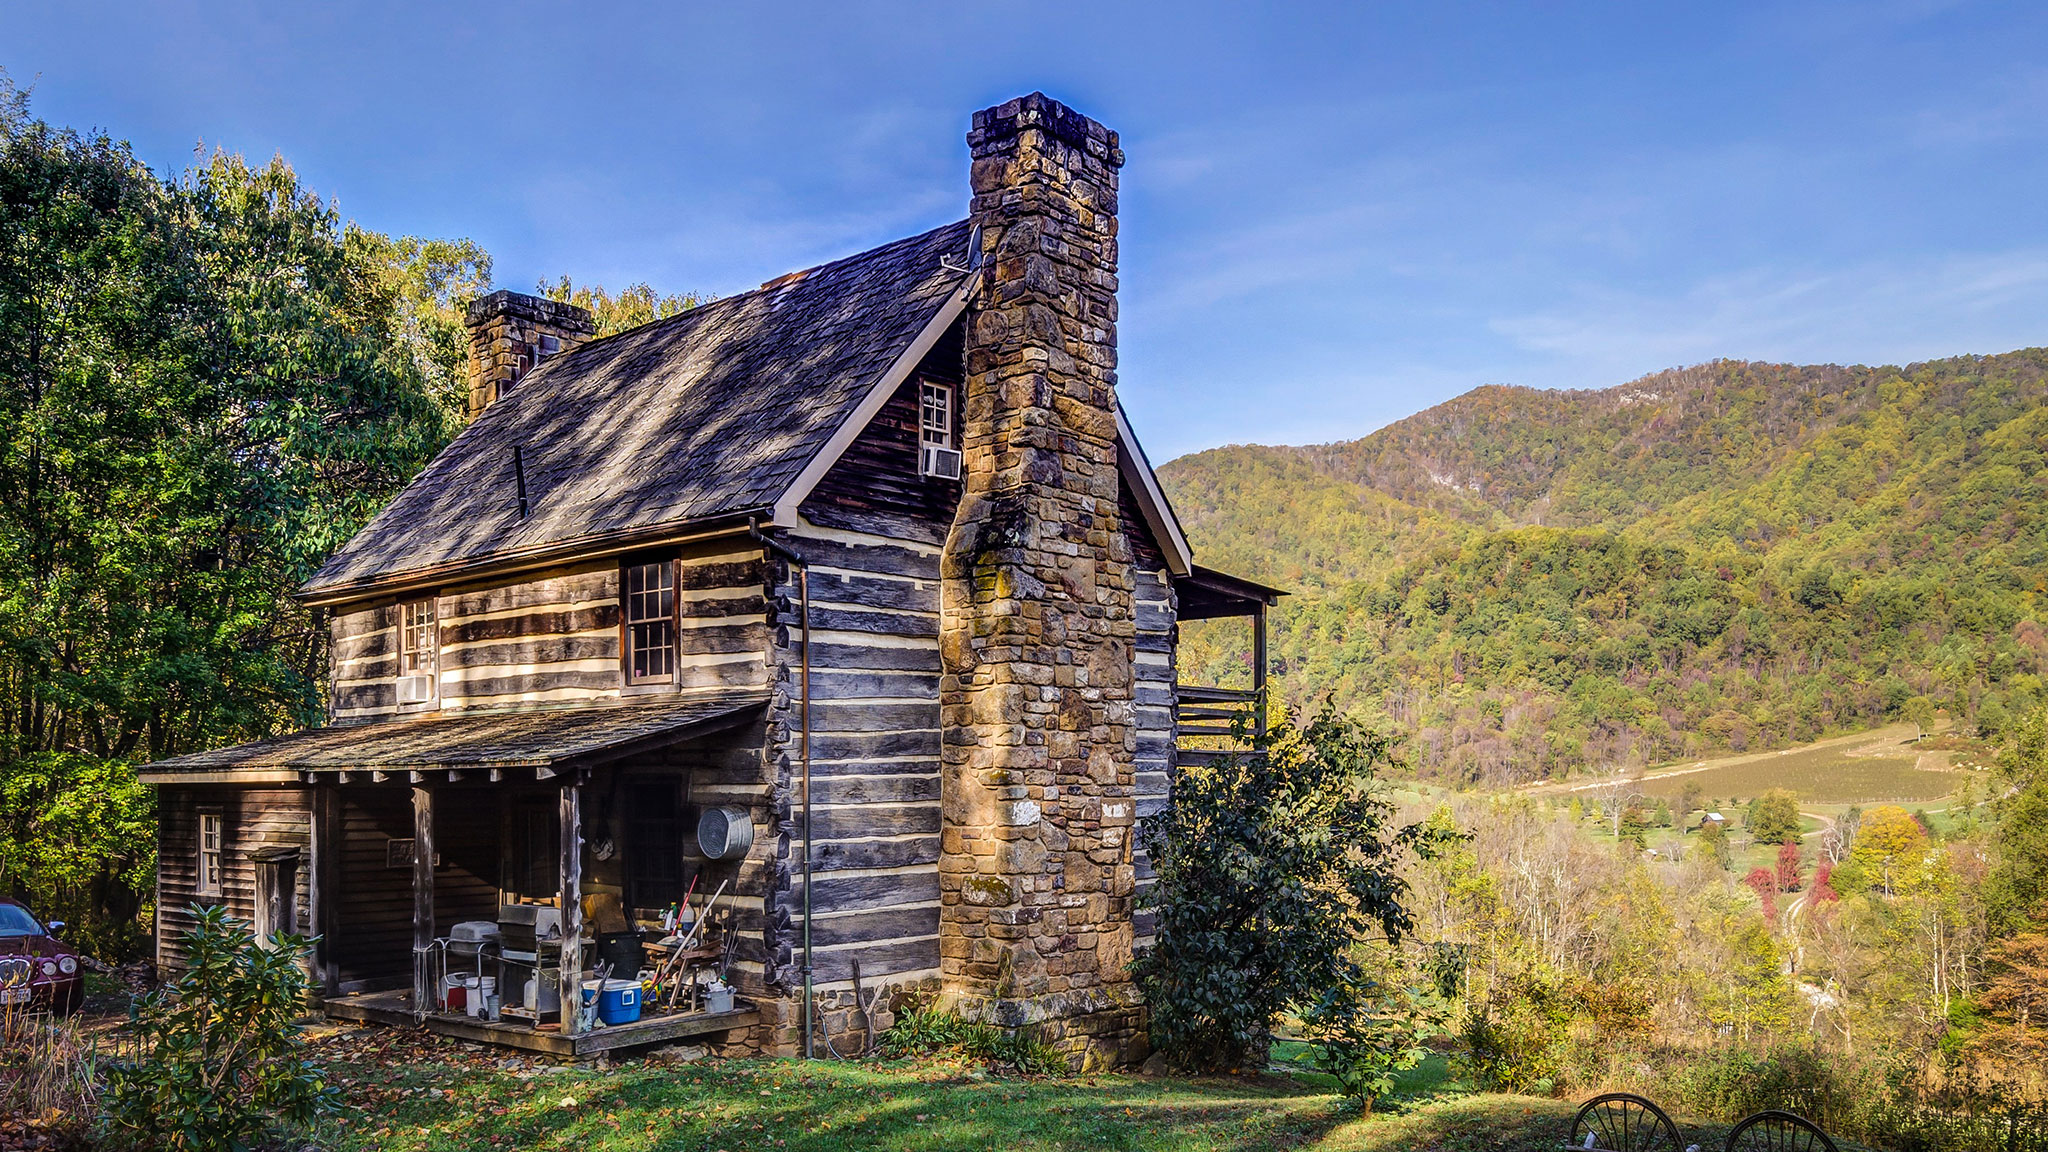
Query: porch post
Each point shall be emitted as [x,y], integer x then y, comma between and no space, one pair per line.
[572,903]
[1259,668]
[324,848]
[422,900]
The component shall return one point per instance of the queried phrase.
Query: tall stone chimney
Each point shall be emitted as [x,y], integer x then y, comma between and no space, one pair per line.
[511,332]
[1039,735]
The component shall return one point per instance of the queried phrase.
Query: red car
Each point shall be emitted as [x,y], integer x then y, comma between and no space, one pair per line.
[35,967]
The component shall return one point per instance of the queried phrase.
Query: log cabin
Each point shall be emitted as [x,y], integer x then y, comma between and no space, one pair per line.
[864,572]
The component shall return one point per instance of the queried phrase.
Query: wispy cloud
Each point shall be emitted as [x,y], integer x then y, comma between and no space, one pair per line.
[1875,311]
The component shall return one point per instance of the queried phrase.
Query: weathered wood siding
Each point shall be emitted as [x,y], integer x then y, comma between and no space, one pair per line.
[372,916]
[878,476]
[555,638]
[250,819]
[1153,674]
[875,751]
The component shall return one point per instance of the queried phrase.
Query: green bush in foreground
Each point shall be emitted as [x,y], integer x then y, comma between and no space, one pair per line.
[1277,870]
[220,1062]
[922,1030]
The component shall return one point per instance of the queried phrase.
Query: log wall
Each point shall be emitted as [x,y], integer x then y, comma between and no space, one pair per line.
[875,754]
[250,818]
[555,638]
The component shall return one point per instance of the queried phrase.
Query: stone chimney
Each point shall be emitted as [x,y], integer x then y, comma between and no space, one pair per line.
[1037,634]
[509,333]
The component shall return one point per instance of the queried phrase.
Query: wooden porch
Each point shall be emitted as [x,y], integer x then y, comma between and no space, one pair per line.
[1204,715]
[396,1008]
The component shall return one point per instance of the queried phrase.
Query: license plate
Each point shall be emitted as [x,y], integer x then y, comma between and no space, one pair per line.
[14,995]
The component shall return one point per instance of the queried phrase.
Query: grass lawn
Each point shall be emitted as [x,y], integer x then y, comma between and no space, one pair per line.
[408,1092]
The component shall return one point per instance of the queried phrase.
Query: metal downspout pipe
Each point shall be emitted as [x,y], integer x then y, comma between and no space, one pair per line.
[803,571]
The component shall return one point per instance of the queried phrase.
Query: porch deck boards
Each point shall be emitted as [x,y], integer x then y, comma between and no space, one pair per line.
[395,1008]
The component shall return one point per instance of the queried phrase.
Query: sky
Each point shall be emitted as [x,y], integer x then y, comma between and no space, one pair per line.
[1332,216]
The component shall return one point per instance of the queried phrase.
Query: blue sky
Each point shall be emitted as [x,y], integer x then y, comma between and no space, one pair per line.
[1333,215]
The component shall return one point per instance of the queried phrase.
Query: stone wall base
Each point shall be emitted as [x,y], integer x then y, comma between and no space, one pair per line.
[1097,1029]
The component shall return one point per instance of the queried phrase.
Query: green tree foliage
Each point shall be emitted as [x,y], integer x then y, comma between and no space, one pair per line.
[221,1051]
[78,836]
[1273,867]
[1773,818]
[634,305]
[2018,884]
[1732,556]
[205,387]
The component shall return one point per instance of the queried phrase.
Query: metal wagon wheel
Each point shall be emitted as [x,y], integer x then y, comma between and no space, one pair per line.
[1776,1131]
[1622,1122]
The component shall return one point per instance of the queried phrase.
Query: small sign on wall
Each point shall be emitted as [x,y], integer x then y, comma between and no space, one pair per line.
[399,853]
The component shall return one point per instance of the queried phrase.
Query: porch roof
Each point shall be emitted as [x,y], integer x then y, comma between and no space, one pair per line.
[542,740]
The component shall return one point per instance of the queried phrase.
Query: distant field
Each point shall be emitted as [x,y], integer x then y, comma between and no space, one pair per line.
[1866,768]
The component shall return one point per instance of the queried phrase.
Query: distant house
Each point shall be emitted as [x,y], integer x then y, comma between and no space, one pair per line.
[864,571]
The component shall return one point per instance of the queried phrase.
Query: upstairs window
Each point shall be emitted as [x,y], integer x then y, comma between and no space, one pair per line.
[211,848]
[650,623]
[937,454]
[419,652]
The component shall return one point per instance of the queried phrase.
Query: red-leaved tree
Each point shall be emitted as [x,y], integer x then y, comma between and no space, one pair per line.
[1766,885]
[1789,865]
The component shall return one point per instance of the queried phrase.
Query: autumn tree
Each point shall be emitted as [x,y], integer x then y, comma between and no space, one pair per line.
[1788,866]
[2015,998]
[1887,841]
[1774,817]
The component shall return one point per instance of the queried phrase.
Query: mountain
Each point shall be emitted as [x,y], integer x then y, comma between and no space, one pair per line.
[1732,555]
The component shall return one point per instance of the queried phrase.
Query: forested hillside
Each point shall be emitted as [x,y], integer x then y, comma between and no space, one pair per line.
[1724,556]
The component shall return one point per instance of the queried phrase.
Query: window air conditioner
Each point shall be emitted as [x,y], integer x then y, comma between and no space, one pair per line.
[415,689]
[943,463]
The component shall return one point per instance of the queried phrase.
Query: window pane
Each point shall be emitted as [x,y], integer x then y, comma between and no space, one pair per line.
[418,638]
[935,415]
[650,621]
[15,921]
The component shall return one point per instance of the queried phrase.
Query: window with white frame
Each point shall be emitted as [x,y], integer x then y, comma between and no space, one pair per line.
[937,454]
[419,651]
[211,849]
[650,622]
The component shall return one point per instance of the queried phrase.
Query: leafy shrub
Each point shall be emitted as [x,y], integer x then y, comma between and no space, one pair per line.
[921,1029]
[1369,1036]
[1515,1040]
[220,1054]
[1273,865]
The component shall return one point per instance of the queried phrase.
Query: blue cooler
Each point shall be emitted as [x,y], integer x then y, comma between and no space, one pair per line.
[618,1001]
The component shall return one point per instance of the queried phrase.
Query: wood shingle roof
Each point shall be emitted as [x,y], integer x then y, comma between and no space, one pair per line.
[707,415]
[545,738]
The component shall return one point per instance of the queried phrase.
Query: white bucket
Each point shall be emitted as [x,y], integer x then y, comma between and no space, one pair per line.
[480,989]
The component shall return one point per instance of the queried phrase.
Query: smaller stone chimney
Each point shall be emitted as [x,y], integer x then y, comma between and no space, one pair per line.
[510,333]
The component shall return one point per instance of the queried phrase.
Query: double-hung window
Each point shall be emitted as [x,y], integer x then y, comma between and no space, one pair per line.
[937,454]
[419,651]
[650,623]
[211,849]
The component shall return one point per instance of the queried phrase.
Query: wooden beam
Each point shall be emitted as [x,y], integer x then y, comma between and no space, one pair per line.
[571,897]
[422,901]
[497,774]
[323,886]
[1259,670]
[380,777]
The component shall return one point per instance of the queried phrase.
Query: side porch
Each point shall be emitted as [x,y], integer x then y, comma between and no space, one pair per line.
[473,874]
